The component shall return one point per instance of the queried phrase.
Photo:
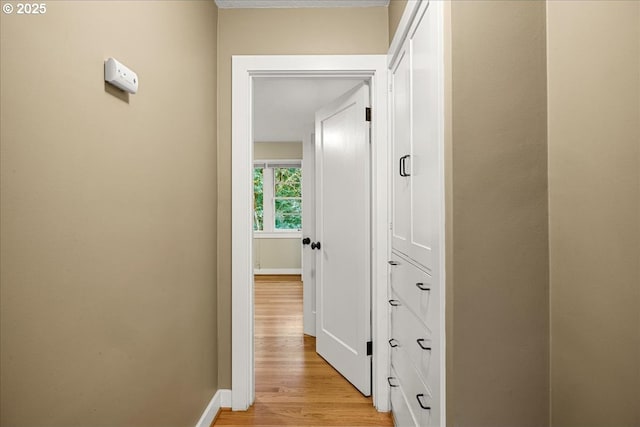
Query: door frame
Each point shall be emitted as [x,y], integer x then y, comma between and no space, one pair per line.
[244,70]
[308,230]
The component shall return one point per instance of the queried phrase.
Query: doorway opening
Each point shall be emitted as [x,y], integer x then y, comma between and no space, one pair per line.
[247,70]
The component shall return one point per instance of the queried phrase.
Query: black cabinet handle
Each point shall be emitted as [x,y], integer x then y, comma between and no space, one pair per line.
[392,262]
[423,287]
[315,245]
[389,381]
[419,397]
[393,343]
[306,241]
[394,302]
[403,165]
[420,342]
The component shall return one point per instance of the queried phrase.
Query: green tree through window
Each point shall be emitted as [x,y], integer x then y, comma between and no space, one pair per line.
[258,199]
[288,198]
[277,197]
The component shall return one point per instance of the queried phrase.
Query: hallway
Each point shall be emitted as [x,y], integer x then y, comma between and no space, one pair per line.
[295,386]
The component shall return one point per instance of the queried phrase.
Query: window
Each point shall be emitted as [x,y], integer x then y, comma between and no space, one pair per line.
[258,198]
[277,196]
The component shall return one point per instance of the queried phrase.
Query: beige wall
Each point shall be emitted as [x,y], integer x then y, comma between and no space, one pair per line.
[396,9]
[498,337]
[275,31]
[277,150]
[594,181]
[108,216]
[277,254]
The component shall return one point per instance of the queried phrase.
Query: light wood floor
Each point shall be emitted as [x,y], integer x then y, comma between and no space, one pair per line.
[295,386]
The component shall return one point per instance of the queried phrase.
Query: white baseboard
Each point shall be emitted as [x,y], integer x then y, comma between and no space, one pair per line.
[222,399]
[225,398]
[277,271]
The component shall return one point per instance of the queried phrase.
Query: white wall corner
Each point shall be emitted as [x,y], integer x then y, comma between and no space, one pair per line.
[222,399]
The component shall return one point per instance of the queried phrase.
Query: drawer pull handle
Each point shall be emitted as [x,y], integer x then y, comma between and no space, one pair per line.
[393,343]
[419,397]
[422,286]
[392,262]
[394,302]
[420,341]
[390,384]
[403,165]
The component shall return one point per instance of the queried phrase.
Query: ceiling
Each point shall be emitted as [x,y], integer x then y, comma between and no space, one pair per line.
[246,4]
[284,108]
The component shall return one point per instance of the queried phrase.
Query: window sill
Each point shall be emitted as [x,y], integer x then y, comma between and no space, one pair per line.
[277,234]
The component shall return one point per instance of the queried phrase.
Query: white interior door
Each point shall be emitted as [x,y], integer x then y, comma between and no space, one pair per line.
[343,319]
[308,232]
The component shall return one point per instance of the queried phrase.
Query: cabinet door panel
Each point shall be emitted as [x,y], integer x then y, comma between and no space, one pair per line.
[401,134]
[425,191]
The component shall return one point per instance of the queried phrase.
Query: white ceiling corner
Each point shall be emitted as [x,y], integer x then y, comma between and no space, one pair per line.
[267,4]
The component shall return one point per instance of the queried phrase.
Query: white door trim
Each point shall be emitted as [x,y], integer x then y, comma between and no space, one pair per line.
[244,69]
[308,231]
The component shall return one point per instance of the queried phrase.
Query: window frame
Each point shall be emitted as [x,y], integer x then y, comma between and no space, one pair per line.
[269,200]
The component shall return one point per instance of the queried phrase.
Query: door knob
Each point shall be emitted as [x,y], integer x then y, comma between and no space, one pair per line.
[315,245]
[306,241]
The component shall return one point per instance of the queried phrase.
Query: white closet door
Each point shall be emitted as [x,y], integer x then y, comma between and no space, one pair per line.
[425,172]
[401,125]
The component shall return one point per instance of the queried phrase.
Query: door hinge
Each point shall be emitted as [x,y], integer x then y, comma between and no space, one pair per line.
[367,114]
[369,348]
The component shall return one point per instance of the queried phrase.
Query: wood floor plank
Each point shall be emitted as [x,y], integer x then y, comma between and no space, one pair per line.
[295,386]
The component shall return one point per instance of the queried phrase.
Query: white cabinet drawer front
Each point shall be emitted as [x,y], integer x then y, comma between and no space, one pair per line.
[416,289]
[402,416]
[413,337]
[423,403]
